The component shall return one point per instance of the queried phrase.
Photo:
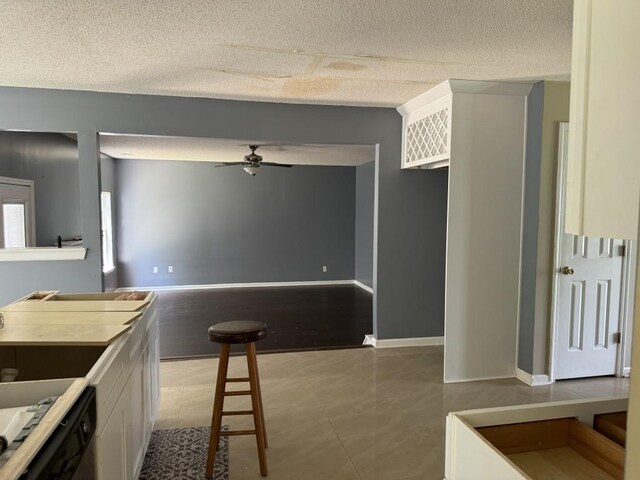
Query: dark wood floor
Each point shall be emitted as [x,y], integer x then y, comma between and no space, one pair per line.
[298,318]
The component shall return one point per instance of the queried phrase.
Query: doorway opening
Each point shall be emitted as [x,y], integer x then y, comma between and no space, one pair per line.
[289,246]
[590,327]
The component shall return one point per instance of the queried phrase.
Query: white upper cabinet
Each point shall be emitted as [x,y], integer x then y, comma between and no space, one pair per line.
[603,173]
[429,121]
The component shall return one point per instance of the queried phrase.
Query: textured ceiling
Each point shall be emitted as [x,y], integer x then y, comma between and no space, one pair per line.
[359,52]
[216,150]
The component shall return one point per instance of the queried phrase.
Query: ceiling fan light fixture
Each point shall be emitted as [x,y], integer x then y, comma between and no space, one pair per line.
[252,169]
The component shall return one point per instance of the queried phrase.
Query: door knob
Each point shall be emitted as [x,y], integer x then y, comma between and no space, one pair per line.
[566,271]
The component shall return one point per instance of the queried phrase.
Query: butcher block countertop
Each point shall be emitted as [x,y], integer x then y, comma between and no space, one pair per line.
[69,334]
[75,306]
[78,320]
[69,318]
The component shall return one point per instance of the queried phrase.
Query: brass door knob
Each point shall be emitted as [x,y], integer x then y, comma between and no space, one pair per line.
[566,271]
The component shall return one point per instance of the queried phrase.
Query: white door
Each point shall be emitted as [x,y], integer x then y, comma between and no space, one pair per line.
[17,216]
[588,289]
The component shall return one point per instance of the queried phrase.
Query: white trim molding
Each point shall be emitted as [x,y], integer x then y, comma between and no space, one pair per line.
[403,342]
[42,254]
[210,286]
[464,86]
[363,286]
[532,380]
[478,379]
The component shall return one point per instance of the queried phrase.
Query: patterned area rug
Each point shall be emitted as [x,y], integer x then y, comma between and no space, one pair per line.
[181,454]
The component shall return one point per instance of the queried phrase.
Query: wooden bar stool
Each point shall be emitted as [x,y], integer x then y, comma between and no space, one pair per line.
[226,334]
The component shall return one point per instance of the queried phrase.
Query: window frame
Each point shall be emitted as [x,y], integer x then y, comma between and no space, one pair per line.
[30,209]
[106,232]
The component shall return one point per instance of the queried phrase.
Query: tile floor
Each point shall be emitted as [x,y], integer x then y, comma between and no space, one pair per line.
[359,414]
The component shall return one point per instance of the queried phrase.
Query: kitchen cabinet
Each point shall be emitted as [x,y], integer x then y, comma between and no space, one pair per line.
[123,368]
[435,125]
[552,441]
[603,171]
[129,408]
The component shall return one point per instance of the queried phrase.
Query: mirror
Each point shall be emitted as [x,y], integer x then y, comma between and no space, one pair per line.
[39,190]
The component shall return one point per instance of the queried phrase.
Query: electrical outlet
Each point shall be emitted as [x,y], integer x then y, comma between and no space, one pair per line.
[170,269]
[155,269]
[324,268]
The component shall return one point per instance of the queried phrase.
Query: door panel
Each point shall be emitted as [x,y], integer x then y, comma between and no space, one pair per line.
[588,307]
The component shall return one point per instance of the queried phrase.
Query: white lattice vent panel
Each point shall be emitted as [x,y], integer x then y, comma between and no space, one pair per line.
[428,138]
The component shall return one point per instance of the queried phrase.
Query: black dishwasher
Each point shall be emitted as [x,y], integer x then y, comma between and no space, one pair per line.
[68,453]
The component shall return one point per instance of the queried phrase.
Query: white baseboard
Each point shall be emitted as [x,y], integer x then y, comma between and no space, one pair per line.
[478,379]
[403,342]
[363,286]
[532,380]
[626,372]
[236,285]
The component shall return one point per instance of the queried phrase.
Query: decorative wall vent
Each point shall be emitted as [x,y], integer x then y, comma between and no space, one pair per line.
[428,137]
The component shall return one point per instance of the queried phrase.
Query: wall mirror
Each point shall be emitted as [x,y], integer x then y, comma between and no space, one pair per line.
[39,191]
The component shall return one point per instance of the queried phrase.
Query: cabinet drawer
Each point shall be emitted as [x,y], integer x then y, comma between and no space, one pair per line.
[539,441]
[557,449]
[613,426]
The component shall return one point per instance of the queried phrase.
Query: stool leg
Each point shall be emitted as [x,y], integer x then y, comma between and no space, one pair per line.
[264,425]
[218,403]
[258,418]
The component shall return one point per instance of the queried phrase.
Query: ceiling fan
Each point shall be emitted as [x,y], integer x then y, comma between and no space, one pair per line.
[253,162]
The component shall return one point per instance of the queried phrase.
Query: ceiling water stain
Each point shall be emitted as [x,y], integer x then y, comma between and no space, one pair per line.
[342,56]
[352,67]
[310,86]
[246,73]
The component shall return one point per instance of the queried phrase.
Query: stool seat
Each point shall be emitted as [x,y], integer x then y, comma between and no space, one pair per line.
[239,331]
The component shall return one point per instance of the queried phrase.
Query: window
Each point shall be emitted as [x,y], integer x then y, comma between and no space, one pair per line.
[107,232]
[14,221]
[17,215]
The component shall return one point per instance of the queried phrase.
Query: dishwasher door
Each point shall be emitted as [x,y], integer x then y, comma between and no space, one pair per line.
[70,447]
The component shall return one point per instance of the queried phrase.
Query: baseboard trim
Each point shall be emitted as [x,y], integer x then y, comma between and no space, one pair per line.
[403,342]
[235,285]
[626,372]
[363,286]
[478,379]
[532,380]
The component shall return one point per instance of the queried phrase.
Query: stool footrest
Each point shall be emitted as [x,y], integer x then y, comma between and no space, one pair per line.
[239,412]
[237,432]
[237,393]
[239,379]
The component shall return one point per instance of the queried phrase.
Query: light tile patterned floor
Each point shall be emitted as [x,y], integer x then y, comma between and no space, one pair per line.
[362,414]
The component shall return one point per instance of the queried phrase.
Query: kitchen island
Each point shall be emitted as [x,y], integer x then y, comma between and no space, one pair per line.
[61,343]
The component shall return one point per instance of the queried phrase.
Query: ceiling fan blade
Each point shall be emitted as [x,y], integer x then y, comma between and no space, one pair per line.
[271,164]
[229,164]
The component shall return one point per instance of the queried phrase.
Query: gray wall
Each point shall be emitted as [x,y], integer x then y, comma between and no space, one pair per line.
[410,223]
[220,225]
[535,103]
[108,174]
[365,186]
[51,160]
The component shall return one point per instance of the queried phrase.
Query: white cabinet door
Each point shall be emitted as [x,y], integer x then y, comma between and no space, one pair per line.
[154,367]
[112,444]
[603,183]
[136,415]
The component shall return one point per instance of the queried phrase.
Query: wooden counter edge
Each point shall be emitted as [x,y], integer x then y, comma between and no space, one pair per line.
[17,464]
